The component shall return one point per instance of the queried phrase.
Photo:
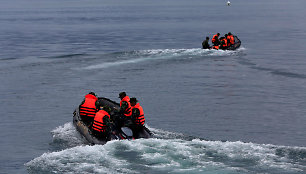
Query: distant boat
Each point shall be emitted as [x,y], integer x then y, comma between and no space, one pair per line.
[228,3]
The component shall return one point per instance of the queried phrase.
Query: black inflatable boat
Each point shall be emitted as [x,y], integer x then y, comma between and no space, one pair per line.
[119,131]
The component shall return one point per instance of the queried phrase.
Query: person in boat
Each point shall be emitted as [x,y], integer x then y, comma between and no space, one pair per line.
[137,117]
[215,39]
[223,43]
[205,44]
[88,108]
[125,107]
[230,38]
[101,126]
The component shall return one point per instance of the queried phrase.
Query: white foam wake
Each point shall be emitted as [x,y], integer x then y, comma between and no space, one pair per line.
[171,156]
[162,54]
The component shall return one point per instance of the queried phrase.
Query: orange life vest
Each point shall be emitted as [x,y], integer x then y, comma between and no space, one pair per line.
[139,119]
[228,38]
[216,47]
[88,108]
[225,42]
[232,39]
[214,38]
[128,110]
[98,124]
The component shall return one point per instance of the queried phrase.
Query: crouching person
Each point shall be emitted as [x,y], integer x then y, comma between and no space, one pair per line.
[137,117]
[101,124]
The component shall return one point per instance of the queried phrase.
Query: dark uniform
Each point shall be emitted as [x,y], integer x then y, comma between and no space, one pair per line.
[205,44]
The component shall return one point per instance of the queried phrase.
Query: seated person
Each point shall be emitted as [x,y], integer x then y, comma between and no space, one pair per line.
[223,44]
[88,108]
[125,107]
[138,118]
[215,39]
[101,126]
[205,44]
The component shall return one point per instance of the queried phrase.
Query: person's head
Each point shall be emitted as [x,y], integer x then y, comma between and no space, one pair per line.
[225,35]
[229,33]
[133,101]
[218,34]
[207,38]
[122,95]
[92,93]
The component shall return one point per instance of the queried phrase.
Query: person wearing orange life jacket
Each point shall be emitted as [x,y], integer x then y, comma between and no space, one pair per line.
[88,109]
[101,125]
[231,38]
[125,105]
[229,43]
[227,40]
[215,39]
[137,117]
[223,44]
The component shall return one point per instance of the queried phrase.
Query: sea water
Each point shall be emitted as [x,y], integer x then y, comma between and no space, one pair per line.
[228,112]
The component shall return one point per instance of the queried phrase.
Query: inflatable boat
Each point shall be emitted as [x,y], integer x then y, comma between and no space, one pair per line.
[236,45]
[119,130]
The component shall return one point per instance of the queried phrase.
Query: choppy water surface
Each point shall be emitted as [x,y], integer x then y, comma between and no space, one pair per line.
[230,112]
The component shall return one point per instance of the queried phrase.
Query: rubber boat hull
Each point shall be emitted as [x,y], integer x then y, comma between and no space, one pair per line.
[120,133]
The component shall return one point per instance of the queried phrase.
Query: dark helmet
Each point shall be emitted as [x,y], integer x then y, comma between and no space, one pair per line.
[106,108]
[92,93]
[218,34]
[133,100]
[122,94]
[225,35]
[207,38]
[229,33]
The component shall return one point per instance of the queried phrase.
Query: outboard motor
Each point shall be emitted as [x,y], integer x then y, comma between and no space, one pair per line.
[126,133]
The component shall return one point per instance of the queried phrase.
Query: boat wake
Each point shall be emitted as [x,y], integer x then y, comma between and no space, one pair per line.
[160,55]
[167,153]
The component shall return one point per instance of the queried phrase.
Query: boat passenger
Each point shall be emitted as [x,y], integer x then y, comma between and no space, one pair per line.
[137,117]
[101,126]
[215,39]
[88,108]
[223,44]
[205,44]
[231,39]
[125,105]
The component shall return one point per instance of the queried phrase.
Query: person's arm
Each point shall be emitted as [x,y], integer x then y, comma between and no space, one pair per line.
[107,122]
[124,106]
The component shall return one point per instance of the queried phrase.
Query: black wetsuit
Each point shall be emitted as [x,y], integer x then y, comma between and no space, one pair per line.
[205,44]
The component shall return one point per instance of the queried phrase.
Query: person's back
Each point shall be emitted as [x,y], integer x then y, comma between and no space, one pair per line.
[231,38]
[215,39]
[223,44]
[137,117]
[101,123]
[88,108]
[205,44]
